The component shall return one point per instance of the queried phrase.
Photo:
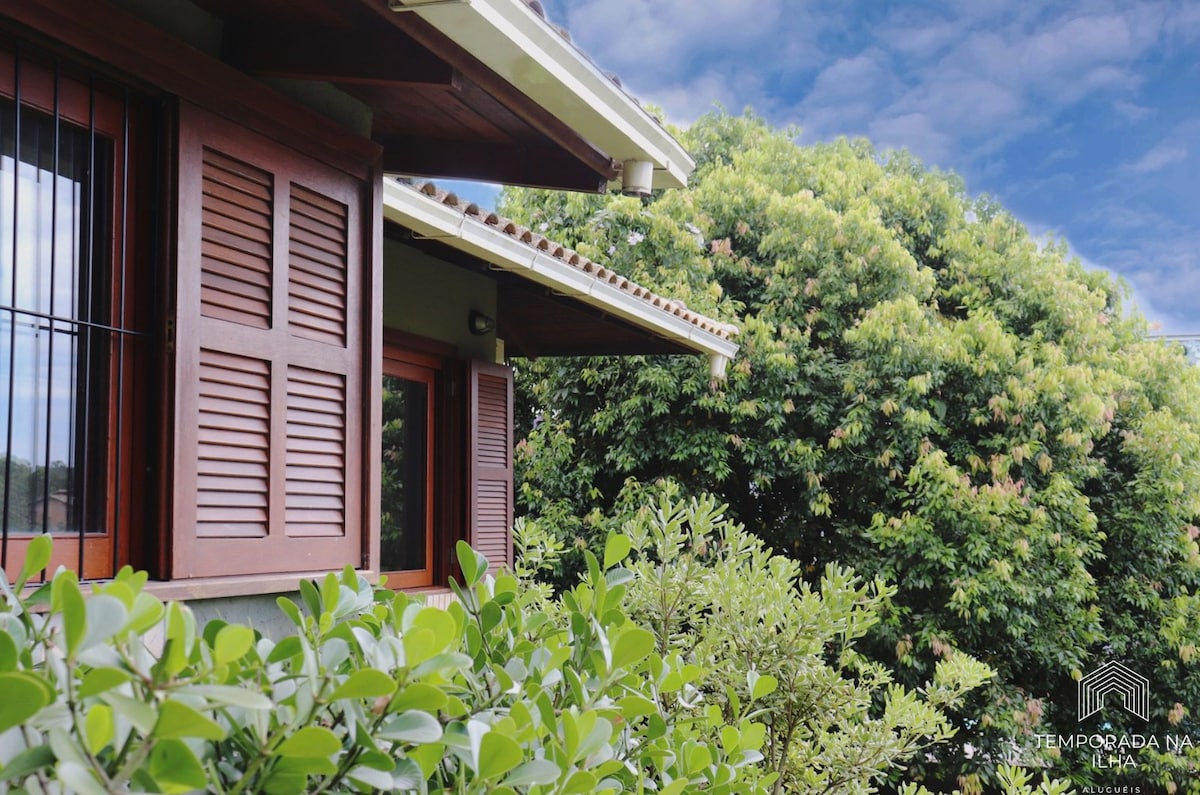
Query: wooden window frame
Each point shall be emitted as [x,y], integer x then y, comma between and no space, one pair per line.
[447,509]
[399,363]
[127,398]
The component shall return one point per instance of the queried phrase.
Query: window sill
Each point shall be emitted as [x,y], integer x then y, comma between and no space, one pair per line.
[244,585]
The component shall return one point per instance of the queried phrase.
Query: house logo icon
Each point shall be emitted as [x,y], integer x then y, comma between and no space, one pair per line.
[1113,677]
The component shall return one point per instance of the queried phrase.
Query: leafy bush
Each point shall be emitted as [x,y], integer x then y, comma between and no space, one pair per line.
[835,721]
[699,667]
[373,691]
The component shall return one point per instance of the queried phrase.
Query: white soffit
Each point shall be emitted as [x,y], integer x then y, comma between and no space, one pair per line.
[517,44]
[430,218]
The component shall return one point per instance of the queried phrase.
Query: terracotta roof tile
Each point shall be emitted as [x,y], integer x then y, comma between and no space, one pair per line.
[574,259]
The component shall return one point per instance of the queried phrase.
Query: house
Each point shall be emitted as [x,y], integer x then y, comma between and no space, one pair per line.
[1190,343]
[232,346]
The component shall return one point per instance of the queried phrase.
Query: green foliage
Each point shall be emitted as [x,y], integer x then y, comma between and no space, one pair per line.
[924,393]
[753,630]
[374,691]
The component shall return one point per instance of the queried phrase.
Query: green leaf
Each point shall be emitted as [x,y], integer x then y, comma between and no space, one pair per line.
[228,695]
[180,635]
[490,616]
[636,706]
[418,645]
[290,609]
[331,591]
[581,781]
[106,616]
[442,663]
[311,597]
[535,772]
[79,779]
[134,710]
[364,683]
[310,742]
[175,768]
[146,612]
[473,564]
[372,779]
[8,652]
[177,720]
[37,558]
[98,727]
[410,774]
[631,647]
[675,787]
[287,648]
[440,623]
[413,726]
[24,694]
[26,763]
[232,642]
[616,548]
[67,600]
[419,696]
[498,754]
[760,685]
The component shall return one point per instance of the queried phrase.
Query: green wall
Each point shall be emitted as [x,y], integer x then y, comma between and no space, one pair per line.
[431,298]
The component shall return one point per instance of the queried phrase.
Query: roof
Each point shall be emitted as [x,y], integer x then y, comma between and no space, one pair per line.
[514,39]
[509,246]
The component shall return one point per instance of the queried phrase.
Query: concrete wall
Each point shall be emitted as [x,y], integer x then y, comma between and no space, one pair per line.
[431,298]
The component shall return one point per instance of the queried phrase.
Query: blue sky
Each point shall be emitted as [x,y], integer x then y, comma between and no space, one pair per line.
[1082,118]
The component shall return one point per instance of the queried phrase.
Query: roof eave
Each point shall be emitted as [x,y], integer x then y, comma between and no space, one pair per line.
[513,41]
[430,218]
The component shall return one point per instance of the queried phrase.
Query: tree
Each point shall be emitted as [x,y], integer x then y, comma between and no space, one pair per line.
[924,393]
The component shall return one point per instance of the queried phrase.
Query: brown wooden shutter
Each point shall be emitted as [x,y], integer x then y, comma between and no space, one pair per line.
[489,457]
[269,358]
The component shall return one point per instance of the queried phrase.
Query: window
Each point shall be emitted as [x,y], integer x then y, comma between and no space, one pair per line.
[74,322]
[445,461]
[407,474]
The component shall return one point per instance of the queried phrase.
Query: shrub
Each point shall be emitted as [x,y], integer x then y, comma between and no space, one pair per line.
[705,665]
[373,691]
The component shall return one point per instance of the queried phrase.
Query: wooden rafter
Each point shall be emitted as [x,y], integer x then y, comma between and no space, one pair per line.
[511,164]
[474,70]
[376,56]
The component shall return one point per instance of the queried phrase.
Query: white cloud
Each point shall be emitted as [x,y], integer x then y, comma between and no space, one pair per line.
[1158,158]
[686,55]
[916,132]
[1131,110]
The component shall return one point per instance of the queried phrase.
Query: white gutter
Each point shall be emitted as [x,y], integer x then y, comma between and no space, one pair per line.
[517,44]
[430,218]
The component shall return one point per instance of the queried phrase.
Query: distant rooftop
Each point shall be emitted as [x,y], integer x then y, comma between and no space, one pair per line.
[1190,343]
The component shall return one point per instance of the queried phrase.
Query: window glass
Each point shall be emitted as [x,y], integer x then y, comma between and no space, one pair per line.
[52,353]
[405,475]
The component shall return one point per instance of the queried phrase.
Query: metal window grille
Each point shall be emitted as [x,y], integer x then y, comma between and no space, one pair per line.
[68,325]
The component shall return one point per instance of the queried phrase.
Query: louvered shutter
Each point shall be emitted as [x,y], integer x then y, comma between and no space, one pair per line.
[269,357]
[489,457]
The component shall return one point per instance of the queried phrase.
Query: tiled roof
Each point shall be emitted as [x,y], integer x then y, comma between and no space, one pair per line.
[572,258]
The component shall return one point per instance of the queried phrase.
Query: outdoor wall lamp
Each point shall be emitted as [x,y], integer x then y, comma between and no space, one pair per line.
[479,323]
[637,177]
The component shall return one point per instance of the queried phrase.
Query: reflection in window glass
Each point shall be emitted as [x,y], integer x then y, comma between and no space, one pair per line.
[50,365]
[404,474]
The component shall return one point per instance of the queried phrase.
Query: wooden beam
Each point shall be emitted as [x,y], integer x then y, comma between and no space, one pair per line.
[528,166]
[504,92]
[380,56]
[131,46]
